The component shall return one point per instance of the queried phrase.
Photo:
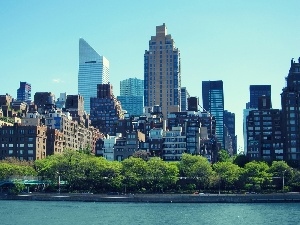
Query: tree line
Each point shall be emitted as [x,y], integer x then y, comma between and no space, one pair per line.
[81,172]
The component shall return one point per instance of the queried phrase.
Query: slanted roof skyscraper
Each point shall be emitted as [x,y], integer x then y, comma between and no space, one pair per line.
[93,70]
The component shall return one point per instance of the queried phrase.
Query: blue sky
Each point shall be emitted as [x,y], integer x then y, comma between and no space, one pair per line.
[239,42]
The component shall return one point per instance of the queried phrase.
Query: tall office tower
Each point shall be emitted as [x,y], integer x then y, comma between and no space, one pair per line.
[229,122]
[162,76]
[24,92]
[131,96]
[106,110]
[184,99]
[257,91]
[213,101]
[93,70]
[290,104]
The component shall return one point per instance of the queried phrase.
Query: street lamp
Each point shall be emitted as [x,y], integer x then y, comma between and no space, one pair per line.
[58,182]
[283,180]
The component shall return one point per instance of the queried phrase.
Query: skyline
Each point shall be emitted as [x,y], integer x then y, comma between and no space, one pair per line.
[217,41]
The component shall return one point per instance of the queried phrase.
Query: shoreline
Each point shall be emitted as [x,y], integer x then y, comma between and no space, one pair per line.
[160,198]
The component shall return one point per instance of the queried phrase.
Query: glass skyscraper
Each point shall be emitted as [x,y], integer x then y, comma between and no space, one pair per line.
[131,96]
[213,102]
[93,70]
[162,77]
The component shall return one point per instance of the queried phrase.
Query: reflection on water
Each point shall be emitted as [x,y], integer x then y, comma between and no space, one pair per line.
[46,213]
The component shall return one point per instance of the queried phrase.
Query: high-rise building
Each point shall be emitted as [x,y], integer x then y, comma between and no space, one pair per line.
[131,95]
[24,92]
[106,110]
[184,99]
[93,70]
[229,123]
[257,91]
[213,102]
[162,76]
[264,137]
[132,87]
[290,103]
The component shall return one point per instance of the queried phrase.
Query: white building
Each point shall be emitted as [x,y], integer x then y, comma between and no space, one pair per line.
[93,70]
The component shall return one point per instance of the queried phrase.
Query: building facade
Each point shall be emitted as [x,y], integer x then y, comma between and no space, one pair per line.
[257,91]
[184,99]
[290,103]
[106,110]
[264,134]
[131,96]
[24,92]
[162,72]
[93,70]
[213,102]
[23,142]
[229,123]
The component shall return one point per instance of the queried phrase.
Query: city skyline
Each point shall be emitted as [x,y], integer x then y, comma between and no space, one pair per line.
[232,41]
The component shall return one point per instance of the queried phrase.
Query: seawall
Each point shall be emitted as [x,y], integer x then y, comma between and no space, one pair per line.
[160,198]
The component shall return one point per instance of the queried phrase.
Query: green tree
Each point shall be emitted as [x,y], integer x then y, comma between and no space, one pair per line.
[197,168]
[280,169]
[228,173]
[256,175]
[134,172]
[161,174]
[223,156]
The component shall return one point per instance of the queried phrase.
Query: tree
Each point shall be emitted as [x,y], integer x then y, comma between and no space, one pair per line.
[161,174]
[197,168]
[134,172]
[223,156]
[256,175]
[281,170]
[240,160]
[228,173]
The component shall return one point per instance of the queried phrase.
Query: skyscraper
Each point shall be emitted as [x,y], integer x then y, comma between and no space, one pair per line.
[213,101]
[229,122]
[106,110]
[257,91]
[162,76]
[24,92]
[93,70]
[131,95]
[290,104]
[184,99]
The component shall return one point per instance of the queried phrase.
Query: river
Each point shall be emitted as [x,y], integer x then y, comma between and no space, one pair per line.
[90,213]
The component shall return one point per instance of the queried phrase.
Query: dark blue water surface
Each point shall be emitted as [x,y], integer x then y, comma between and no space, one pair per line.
[60,212]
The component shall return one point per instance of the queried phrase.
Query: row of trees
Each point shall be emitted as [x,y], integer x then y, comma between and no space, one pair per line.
[83,172]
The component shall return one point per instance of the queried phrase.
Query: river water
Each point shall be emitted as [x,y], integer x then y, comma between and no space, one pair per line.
[60,212]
